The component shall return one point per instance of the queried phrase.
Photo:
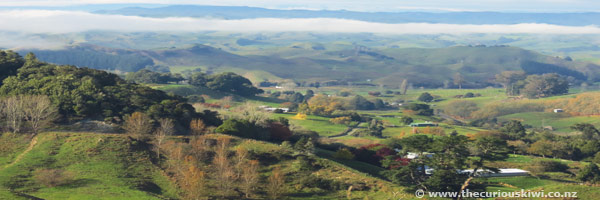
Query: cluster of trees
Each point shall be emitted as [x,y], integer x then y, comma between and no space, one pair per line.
[208,164]
[447,156]
[10,62]
[323,105]
[533,86]
[83,93]
[418,109]
[545,144]
[147,76]
[225,82]
[249,121]
[35,111]
[374,128]
[293,97]
[461,108]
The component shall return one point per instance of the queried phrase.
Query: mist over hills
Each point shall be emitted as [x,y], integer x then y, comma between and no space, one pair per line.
[242,12]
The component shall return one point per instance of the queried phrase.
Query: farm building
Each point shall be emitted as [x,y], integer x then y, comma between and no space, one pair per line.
[558,110]
[502,173]
[424,124]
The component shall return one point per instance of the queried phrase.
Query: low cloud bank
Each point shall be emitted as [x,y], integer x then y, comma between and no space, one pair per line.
[47,21]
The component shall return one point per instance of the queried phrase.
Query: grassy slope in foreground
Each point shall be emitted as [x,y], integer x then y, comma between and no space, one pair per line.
[107,166]
[104,166]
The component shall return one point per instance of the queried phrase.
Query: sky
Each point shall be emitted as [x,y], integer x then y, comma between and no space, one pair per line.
[23,20]
[357,5]
[54,21]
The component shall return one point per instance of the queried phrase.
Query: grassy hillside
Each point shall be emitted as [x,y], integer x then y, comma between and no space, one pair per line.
[107,166]
[103,166]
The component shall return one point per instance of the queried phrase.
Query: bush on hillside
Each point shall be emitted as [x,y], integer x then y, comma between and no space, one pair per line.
[52,177]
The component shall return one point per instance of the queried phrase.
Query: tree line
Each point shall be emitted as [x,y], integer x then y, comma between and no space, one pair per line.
[83,93]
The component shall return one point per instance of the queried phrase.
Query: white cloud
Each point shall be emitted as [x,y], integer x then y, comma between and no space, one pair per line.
[359,5]
[45,21]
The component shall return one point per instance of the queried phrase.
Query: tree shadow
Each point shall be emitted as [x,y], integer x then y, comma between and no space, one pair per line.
[149,187]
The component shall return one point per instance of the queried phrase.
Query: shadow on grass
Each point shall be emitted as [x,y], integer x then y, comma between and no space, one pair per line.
[80,183]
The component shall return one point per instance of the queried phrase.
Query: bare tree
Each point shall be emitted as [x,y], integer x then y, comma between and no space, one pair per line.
[197,127]
[241,156]
[459,79]
[138,124]
[166,128]
[275,186]
[12,108]
[39,111]
[224,173]
[404,86]
[249,177]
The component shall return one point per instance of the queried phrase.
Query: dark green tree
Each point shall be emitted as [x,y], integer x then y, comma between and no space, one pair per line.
[589,131]
[486,149]
[545,85]
[360,103]
[420,109]
[406,120]
[590,173]
[378,104]
[9,63]
[425,97]
[198,79]
[232,83]
[514,129]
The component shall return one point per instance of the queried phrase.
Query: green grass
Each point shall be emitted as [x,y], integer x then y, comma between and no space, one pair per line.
[560,122]
[104,167]
[318,124]
[11,146]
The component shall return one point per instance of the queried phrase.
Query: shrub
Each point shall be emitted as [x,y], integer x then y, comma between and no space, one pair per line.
[551,166]
[196,99]
[279,131]
[406,120]
[420,109]
[138,124]
[590,173]
[425,97]
[461,108]
[343,154]
[375,94]
[341,120]
[52,177]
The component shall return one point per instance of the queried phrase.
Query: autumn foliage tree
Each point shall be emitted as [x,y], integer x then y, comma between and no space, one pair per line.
[138,124]
[275,185]
[249,177]
[197,127]
[224,172]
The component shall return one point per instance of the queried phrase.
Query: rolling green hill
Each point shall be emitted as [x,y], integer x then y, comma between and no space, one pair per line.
[344,63]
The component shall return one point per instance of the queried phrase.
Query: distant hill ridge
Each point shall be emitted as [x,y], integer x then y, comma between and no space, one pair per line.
[427,67]
[242,12]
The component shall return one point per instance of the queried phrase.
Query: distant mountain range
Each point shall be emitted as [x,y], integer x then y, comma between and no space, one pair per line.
[427,67]
[240,12]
